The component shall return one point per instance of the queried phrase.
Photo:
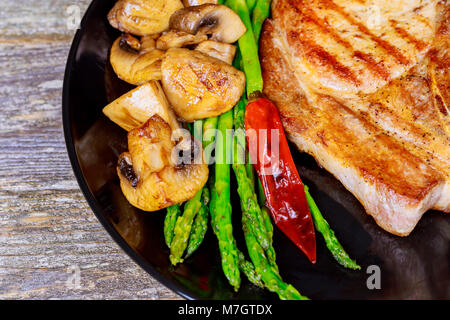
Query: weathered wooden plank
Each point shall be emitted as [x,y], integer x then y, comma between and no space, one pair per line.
[47,231]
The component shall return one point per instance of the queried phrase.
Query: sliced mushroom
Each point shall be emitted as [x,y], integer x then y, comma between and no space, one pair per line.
[142,17]
[219,50]
[219,21]
[149,178]
[136,67]
[178,39]
[129,43]
[147,67]
[148,43]
[199,86]
[134,108]
[190,3]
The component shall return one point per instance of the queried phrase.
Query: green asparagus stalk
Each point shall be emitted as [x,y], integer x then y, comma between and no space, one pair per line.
[173,212]
[200,225]
[244,174]
[251,5]
[183,228]
[270,277]
[260,13]
[250,207]
[248,269]
[209,126]
[331,241]
[197,130]
[220,208]
[248,48]
[245,190]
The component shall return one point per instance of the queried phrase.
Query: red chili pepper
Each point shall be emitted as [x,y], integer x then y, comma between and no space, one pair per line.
[283,188]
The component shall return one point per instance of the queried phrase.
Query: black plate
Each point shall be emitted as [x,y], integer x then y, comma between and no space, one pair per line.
[412,267]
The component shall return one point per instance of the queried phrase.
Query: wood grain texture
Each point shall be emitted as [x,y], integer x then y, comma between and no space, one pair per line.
[47,231]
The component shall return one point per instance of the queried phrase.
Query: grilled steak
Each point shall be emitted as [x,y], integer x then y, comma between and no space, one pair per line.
[367,96]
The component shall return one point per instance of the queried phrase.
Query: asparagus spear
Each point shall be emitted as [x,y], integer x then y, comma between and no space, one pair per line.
[248,269]
[248,48]
[269,276]
[251,4]
[173,212]
[260,13]
[331,241]
[260,220]
[183,228]
[184,223]
[220,208]
[245,190]
[200,224]
[209,126]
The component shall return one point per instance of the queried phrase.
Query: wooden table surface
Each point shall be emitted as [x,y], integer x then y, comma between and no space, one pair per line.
[51,244]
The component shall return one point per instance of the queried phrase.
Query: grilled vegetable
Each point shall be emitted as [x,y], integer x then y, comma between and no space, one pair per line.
[249,202]
[282,185]
[141,17]
[248,48]
[219,50]
[136,66]
[172,214]
[248,269]
[212,19]
[269,276]
[260,13]
[200,224]
[183,228]
[199,86]
[251,5]
[220,207]
[150,178]
[134,108]
[331,241]
[178,39]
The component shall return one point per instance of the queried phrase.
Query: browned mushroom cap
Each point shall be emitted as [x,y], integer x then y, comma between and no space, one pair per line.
[189,3]
[135,67]
[149,179]
[143,17]
[199,86]
[219,50]
[178,39]
[219,21]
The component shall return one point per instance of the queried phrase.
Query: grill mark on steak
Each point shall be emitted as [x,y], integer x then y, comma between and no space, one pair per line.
[316,53]
[377,68]
[374,66]
[389,48]
[420,45]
